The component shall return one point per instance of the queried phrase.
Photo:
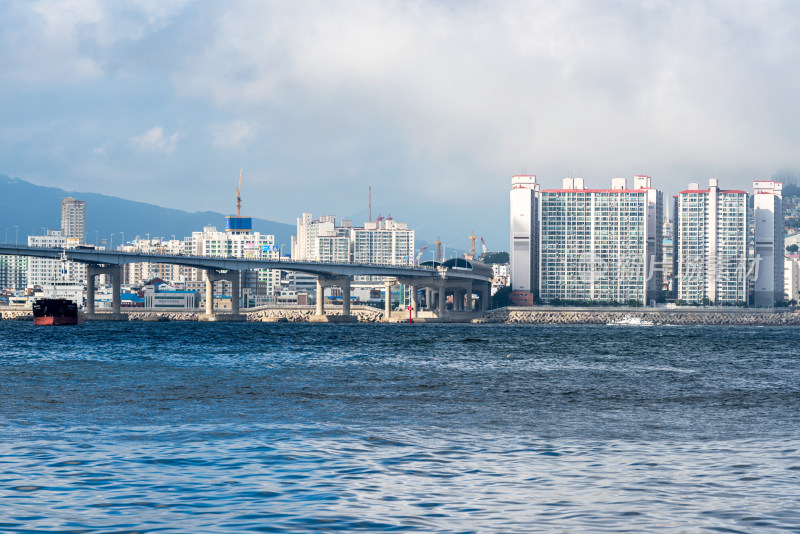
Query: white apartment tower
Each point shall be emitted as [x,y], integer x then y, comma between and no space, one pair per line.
[73,219]
[768,232]
[601,244]
[710,251]
[44,272]
[524,246]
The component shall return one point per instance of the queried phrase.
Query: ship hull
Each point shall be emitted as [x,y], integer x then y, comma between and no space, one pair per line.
[55,312]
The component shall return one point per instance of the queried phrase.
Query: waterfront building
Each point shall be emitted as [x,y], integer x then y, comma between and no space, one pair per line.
[73,219]
[13,272]
[601,244]
[322,239]
[524,246]
[161,295]
[384,241]
[768,243]
[710,255]
[238,241]
[137,273]
[45,272]
[791,278]
[501,274]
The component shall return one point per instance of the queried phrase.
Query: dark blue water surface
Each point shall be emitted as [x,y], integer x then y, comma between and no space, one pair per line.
[190,427]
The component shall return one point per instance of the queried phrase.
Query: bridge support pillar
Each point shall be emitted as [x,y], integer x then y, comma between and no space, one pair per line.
[387,304]
[486,297]
[115,272]
[470,302]
[232,277]
[345,297]
[414,304]
[442,300]
[342,282]
[320,297]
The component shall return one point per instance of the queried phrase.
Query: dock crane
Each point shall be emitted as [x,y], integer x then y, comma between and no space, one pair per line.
[483,246]
[239,195]
[438,244]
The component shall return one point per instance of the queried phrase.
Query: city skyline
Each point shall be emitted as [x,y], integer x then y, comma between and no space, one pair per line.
[432,105]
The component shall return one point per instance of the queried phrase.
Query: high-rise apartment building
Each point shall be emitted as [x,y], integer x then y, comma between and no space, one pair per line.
[45,272]
[524,246]
[239,243]
[768,233]
[384,241]
[73,219]
[710,245]
[13,272]
[601,244]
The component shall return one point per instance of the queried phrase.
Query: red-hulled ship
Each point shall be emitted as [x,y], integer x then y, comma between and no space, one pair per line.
[55,312]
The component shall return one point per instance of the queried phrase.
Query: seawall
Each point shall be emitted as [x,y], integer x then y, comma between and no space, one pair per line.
[670,316]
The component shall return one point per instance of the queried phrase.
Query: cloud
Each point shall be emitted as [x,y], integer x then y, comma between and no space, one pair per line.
[235,134]
[155,140]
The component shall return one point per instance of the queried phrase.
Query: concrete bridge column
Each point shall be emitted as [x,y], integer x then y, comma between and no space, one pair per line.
[116,289]
[387,305]
[90,291]
[414,305]
[320,297]
[234,280]
[115,272]
[442,300]
[428,295]
[346,296]
[209,293]
[232,277]
[486,297]
[470,301]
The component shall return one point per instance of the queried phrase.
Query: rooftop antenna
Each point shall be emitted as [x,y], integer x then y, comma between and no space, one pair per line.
[239,195]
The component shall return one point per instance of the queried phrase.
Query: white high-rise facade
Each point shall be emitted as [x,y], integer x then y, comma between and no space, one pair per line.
[524,246]
[601,244]
[235,244]
[383,241]
[768,232]
[138,273]
[73,220]
[45,272]
[710,252]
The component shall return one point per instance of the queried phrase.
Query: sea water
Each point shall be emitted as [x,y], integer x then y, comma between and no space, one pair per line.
[259,427]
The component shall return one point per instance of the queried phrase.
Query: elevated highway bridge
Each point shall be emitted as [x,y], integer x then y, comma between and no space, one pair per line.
[459,278]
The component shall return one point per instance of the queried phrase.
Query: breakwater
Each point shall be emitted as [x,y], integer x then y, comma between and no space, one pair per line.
[536,315]
[668,316]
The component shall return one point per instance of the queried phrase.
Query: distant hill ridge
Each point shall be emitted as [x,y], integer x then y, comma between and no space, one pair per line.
[32,208]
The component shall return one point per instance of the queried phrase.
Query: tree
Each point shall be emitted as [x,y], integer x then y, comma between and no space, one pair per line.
[792,249]
[502,298]
[495,257]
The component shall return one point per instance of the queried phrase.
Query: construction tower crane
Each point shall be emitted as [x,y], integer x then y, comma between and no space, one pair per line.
[239,195]
[472,239]
[421,252]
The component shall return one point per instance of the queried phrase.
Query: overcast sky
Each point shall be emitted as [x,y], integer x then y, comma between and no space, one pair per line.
[434,104]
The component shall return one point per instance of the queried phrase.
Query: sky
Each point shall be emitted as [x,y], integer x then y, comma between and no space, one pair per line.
[435,105]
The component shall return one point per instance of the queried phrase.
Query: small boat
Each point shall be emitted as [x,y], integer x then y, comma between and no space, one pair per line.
[55,312]
[629,320]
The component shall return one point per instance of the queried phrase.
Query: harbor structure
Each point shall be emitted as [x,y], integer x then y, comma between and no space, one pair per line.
[73,219]
[524,246]
[768,243]
[710,254]
[601,245]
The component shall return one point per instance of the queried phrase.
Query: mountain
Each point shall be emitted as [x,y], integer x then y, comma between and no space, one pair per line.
[27,209]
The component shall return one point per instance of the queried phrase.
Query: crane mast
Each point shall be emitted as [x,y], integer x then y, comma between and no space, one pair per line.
[239,195]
